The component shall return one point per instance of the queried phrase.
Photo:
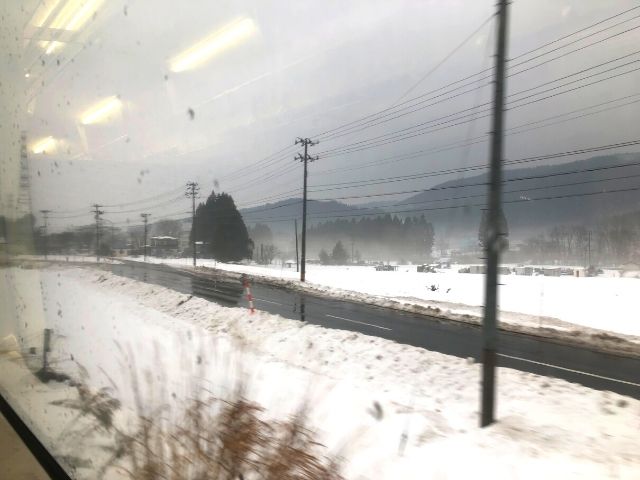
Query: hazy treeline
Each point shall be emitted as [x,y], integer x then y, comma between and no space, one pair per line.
[384,237]
[18,233]
[612,240]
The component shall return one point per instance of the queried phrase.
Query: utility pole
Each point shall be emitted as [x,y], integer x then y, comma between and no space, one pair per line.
[192,191]
[589,250]
[46,348]
[295,225]
[145,216]
[352,250]
[495,242]
[45,231]
[97,213]
[305,159]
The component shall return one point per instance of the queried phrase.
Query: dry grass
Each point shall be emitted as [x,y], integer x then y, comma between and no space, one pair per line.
[222,440]
[205,438]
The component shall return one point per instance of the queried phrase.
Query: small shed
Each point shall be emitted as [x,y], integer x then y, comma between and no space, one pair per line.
[551,272]
[528,271]
[477,269]
[386,268]
[290,263]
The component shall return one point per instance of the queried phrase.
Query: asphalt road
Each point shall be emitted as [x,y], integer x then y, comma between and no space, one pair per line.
[522,352]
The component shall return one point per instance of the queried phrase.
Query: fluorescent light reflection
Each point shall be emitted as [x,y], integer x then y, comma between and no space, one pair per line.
[43,12]
[47,144]
[75,14]
[221,40]
[101,111]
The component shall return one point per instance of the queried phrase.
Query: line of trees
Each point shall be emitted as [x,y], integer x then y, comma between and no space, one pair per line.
[612,240]
[377,238]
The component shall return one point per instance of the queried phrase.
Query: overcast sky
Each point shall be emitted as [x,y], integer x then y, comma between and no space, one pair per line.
[309,66]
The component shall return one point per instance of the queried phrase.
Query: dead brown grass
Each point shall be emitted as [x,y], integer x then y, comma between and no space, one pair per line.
[223,440]
[206,438]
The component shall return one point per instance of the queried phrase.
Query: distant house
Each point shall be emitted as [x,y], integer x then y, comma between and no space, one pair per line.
[552,272]
[580,272]
[386,268]
[289,263]
[164,246]
[477,269]
[444,262]
[201,247]
[426,268]
[524,271]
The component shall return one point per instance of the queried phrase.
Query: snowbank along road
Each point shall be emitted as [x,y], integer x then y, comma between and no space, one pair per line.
[617,373]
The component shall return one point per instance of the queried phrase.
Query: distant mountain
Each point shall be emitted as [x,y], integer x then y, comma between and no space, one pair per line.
[454,207]
[280,215]
[526,194]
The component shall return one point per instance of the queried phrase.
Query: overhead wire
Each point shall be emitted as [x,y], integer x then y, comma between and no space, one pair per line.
[340,127]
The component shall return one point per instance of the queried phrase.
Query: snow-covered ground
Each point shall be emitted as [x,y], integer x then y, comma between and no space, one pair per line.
[603,302]
[548,428]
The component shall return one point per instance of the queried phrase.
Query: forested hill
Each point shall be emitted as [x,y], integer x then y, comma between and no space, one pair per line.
[280,215]
[537,197]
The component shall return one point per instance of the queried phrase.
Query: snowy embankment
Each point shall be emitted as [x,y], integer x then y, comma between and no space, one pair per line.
[560,303]
[392,411]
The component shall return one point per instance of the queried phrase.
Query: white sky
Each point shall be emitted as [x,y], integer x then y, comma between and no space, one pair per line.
[311,66]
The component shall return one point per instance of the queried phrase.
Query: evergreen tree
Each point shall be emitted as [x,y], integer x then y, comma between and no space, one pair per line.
[219,225]
[324,257]
[339,255]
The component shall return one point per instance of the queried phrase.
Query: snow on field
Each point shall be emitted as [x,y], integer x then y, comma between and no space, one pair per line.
[605,302]
[548,428]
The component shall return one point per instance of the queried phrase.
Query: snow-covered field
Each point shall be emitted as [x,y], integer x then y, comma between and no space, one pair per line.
[548,428]
[603,302]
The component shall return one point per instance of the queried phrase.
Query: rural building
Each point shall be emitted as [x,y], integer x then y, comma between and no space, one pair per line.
[477,269]
[386,268]
[551,272]
[164,246]
[524,271]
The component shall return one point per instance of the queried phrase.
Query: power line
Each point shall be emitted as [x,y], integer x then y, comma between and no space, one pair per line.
[432,173]
[449,207]
[519,190]
[584,38]
[367,117]
[363,183]
[482,138]
[446,57]
[406,129]
[239,171]
[372,143]
[270,161]
[574,33]
[123,204]
[289,218]
[509,180]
